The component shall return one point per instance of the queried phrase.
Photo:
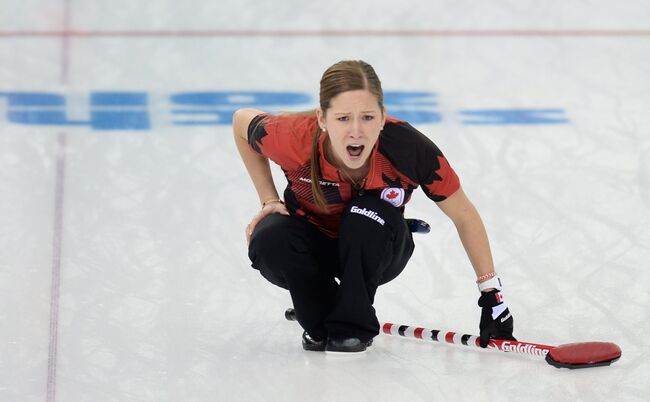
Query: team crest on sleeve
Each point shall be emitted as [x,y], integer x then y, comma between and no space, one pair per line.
[393,195]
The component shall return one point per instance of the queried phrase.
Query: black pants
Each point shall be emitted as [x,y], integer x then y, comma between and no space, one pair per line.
[373,247]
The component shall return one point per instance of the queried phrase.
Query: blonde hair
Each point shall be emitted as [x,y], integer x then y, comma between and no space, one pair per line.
[346,75]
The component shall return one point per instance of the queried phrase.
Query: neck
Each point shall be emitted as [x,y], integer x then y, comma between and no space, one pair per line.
[355,176]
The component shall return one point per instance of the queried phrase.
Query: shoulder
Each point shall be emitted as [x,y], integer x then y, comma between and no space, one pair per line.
[290,124]
[401,141]
[410,151]
[285,138]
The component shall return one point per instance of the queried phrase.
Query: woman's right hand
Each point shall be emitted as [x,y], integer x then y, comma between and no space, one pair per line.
[273,207]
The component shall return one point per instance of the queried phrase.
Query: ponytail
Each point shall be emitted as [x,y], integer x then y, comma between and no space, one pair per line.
[316,189]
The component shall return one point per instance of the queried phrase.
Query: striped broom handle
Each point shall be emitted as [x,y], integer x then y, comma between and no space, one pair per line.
[454,338]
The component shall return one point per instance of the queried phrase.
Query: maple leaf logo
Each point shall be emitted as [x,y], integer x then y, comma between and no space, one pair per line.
[393,195]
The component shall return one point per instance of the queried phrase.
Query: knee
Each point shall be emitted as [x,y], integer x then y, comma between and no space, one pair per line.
[269,234]
[276,238]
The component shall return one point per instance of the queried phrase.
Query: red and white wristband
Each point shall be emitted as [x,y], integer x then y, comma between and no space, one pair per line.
[489,281]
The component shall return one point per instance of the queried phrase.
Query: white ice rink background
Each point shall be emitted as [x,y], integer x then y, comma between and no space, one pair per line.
[123,267]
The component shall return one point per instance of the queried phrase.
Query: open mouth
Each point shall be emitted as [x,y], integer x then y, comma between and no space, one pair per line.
[355,150]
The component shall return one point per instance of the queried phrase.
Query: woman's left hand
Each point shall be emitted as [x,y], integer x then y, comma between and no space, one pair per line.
[496,320]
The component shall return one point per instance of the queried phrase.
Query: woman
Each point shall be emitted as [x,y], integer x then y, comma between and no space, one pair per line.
[340,231]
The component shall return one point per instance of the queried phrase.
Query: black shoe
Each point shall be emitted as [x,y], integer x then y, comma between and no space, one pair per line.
[309,343]
[347,345]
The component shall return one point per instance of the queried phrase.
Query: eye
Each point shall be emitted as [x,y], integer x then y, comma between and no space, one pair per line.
[343,118]
[368,117]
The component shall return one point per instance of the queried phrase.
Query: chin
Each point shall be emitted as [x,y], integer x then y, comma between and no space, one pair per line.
[354,165]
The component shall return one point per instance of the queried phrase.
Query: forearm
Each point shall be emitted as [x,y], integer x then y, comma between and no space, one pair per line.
[470,230]
[258,166]
[474,237]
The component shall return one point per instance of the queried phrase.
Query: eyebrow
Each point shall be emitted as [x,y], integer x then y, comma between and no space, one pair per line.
[363,111]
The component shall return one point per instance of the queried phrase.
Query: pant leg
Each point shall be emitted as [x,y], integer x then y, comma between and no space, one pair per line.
[374,247]
[291,253]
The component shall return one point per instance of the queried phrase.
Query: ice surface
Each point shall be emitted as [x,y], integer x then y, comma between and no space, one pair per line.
[123,267]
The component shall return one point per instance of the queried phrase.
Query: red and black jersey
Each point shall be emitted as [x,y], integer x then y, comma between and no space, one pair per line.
[403,159]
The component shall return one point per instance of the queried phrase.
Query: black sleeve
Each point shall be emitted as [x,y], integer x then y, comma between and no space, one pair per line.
[256,132]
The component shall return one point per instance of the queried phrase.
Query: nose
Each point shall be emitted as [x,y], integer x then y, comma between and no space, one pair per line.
[356,130]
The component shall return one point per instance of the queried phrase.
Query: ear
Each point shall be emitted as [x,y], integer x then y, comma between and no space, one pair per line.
[383,116]
[321,118]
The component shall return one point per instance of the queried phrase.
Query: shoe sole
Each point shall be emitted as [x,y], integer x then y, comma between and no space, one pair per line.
[341,353]
[314,349]
[345,352]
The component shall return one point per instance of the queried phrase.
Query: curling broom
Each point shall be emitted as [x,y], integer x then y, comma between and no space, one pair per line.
[571,355]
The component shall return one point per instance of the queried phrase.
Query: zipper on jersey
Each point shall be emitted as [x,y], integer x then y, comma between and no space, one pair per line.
[357,189]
